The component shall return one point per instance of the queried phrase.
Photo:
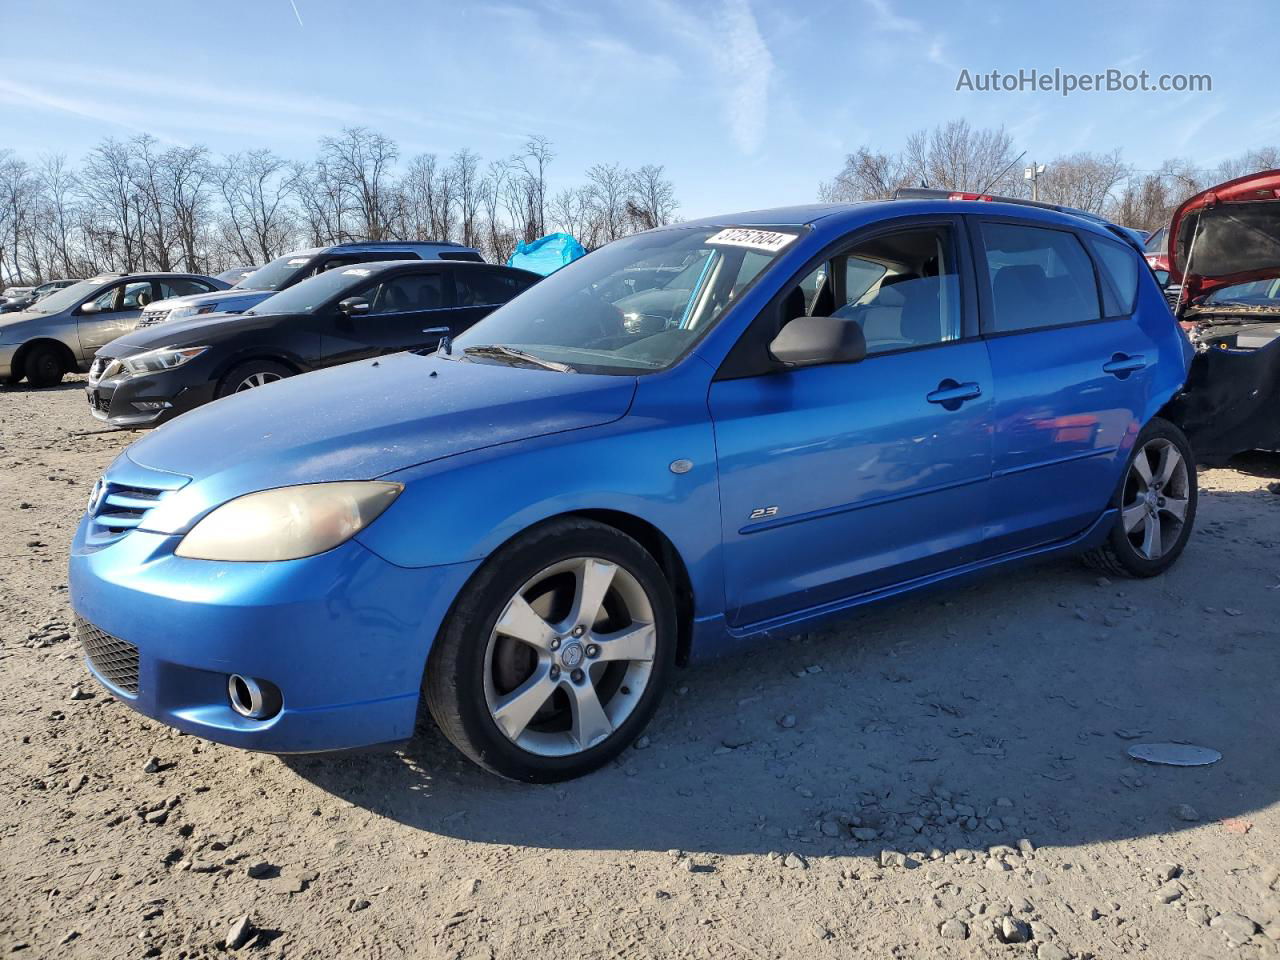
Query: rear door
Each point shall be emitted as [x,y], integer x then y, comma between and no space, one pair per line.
[407,311]
[1072,374]
[480,290]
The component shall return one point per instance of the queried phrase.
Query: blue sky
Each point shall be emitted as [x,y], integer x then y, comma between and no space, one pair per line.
[747,103]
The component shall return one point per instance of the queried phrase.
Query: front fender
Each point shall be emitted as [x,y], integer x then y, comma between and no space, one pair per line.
[463,508]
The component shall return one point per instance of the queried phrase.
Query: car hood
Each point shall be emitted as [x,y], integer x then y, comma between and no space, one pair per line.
[1235,229]
[364,420]
[187,332]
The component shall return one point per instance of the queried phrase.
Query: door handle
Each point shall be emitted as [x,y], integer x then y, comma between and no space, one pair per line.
[951,394]
[1121,364]
[440,330]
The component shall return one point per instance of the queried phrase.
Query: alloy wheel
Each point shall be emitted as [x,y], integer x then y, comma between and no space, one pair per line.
[257,380]
[570,657]
[1156,494]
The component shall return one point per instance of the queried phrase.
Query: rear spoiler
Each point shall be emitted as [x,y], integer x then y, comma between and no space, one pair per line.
[926,193]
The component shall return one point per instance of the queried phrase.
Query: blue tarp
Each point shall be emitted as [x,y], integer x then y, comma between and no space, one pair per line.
[547,254]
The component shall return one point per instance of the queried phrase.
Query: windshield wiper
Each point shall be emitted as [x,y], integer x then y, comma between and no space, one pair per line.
[511,353]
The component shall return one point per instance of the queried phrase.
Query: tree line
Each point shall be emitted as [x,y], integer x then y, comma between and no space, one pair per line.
[957,156]
[138,205]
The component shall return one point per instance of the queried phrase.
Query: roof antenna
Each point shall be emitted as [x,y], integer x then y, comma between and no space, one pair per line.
[996,179]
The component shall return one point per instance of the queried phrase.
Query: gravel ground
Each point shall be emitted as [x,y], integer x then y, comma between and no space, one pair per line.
[946,777]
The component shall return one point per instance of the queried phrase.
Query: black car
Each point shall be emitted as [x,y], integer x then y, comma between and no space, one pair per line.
[348,313]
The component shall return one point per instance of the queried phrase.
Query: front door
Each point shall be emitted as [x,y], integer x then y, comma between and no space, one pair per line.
[406,312]
[114,312]
[844,479]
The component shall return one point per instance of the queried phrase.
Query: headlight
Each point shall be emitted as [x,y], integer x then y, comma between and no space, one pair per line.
[157,361]
[288,522]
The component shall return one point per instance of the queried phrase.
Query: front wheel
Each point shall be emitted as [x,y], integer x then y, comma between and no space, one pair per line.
[43,366]
[555,655]
[1156,506]
[252,374]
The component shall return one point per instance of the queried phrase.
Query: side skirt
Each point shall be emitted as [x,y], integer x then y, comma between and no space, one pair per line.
[713,637]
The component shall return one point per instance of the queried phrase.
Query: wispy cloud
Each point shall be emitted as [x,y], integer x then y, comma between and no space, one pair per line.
[889,20]
[744,67]
[293,4]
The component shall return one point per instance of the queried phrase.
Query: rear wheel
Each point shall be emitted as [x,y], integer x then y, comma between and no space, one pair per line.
[1156,506]
[555,655]
[43,365]
[251,374]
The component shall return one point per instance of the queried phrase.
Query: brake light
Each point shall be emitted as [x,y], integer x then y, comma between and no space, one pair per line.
[970,196]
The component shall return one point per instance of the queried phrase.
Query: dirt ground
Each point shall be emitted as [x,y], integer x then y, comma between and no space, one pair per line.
[930,779]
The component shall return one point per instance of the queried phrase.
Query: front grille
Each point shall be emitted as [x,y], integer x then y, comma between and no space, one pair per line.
[115,660]
[122,499]
[154,317]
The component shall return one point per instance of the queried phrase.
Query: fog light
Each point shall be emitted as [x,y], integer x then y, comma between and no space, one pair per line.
[149,405]
[253,698]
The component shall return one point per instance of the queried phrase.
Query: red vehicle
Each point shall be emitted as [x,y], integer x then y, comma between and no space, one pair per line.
[1224,251]
[1156,249]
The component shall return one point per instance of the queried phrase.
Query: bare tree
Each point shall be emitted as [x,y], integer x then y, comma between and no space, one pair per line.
[866,175]
[113,218]
[359,162]
[653,196]
[1083,180]
[610,185]
[465,180]
[256,190]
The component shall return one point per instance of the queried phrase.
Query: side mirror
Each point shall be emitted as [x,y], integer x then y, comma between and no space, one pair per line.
[90,307]
[809,341]
[353,306]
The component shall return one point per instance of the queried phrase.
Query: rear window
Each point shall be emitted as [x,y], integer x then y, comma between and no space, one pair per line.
[1119,268]
[467,255]
[1039,278]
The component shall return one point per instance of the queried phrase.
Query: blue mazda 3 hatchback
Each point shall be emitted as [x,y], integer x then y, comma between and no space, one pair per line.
[719,430]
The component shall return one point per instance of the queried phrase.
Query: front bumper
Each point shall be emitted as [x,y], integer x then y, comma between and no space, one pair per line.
[344,635]
[135,402]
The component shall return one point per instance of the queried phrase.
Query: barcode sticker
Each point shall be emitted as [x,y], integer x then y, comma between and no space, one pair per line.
[770,240]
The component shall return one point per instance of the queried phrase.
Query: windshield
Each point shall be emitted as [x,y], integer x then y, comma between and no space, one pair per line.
[67,297]
[307,295]
[277,274]
[1156,243]
[633,306]
[1254,293]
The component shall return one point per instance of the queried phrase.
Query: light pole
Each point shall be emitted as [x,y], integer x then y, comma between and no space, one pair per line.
[1032,173]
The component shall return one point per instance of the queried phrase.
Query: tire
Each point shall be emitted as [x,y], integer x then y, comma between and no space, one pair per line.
[43,365]
[242,375]
[476,671]
[1155,515]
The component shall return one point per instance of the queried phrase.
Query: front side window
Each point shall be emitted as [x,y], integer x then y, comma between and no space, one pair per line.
[903,288]
[124,296]
[588,315]
[1039,278]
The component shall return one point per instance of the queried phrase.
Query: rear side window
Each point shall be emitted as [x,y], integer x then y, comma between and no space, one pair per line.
[1039,278]
[477,288]
[181,287]
[1119,268]
[461,255]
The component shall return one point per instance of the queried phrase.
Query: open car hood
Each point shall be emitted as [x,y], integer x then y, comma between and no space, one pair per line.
[1230,233]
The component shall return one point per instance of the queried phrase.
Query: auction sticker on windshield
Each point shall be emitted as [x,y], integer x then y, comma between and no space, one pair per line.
[770,240]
